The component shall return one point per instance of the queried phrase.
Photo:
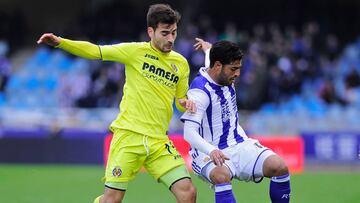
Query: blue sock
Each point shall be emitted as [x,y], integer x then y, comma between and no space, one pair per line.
[224,194]
[280,189]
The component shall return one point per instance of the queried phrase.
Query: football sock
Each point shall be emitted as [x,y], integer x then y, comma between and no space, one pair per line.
[224,193]
[280,189]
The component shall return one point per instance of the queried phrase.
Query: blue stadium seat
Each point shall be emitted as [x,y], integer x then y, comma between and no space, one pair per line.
[32,83]
[2,99]
[50,83]
[41,57]
[15,83]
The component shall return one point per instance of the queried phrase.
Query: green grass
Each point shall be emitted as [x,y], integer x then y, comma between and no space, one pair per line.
[81,184]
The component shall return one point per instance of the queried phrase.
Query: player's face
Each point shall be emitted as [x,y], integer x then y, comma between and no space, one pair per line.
[229,73]
[163,37]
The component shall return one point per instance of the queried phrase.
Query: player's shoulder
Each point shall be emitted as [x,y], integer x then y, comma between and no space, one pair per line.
[132,44]
[199,94]
[199,82]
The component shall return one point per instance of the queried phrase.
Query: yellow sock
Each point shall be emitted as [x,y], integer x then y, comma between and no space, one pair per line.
[97,200]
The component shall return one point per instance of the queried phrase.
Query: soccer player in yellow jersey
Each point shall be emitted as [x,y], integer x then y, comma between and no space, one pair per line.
[155,75]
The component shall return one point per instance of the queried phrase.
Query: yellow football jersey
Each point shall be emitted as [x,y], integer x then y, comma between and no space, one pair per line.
[153,80]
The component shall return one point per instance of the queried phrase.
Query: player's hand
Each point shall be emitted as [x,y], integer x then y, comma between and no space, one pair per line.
[49,39]
[201,44]
[218,157]
[189,105]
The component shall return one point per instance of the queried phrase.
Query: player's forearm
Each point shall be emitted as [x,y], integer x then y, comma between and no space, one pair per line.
[80,48]
[192,136]
[207,58]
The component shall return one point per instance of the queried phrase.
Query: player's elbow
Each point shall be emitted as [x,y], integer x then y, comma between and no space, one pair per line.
[187,132]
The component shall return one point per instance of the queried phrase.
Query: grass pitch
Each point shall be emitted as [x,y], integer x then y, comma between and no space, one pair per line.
[81,184]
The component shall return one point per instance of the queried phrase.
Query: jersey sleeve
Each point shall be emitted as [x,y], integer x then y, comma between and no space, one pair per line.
[192,136]
[82,49]
[202,102]
[118,52]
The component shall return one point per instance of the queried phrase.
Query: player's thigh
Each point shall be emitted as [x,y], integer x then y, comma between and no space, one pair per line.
[163,157]
[249,157]
[126,156]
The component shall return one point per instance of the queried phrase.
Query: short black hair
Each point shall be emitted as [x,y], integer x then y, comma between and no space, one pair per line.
[225,52]
[161,13]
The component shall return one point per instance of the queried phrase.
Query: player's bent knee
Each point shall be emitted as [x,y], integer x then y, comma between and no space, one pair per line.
[184,190]
[281,168]
[179,182]
[185,185]
[220,175]
[190,191]
[275,166]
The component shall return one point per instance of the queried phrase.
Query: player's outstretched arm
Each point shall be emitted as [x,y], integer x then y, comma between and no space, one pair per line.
[205,46]
[79,48]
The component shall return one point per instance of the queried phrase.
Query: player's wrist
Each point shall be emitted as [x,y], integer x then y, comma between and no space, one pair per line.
[59,41]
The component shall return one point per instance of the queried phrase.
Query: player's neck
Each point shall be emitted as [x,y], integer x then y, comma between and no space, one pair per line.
[152,45]
[212,73]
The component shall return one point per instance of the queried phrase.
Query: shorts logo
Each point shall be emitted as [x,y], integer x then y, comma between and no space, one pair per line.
[117,171]
[258,145]
[206,159]
[169,146]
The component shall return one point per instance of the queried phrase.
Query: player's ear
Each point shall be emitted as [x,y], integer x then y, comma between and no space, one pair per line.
[217,65]
[150,32]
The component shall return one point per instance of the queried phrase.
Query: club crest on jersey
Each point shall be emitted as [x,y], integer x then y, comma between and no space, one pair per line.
[175,68]
[117,171]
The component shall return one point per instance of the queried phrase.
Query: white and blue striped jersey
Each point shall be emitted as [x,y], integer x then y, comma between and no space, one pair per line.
[217,113]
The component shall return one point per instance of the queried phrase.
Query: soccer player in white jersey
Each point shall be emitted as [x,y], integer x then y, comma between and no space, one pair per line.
[220,148]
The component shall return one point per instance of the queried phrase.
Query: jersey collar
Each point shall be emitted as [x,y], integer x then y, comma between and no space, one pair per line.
[204,72]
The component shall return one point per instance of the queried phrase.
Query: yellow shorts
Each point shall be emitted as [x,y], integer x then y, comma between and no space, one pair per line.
[129,151]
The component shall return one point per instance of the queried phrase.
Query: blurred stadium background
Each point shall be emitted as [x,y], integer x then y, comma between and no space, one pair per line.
[299,92]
